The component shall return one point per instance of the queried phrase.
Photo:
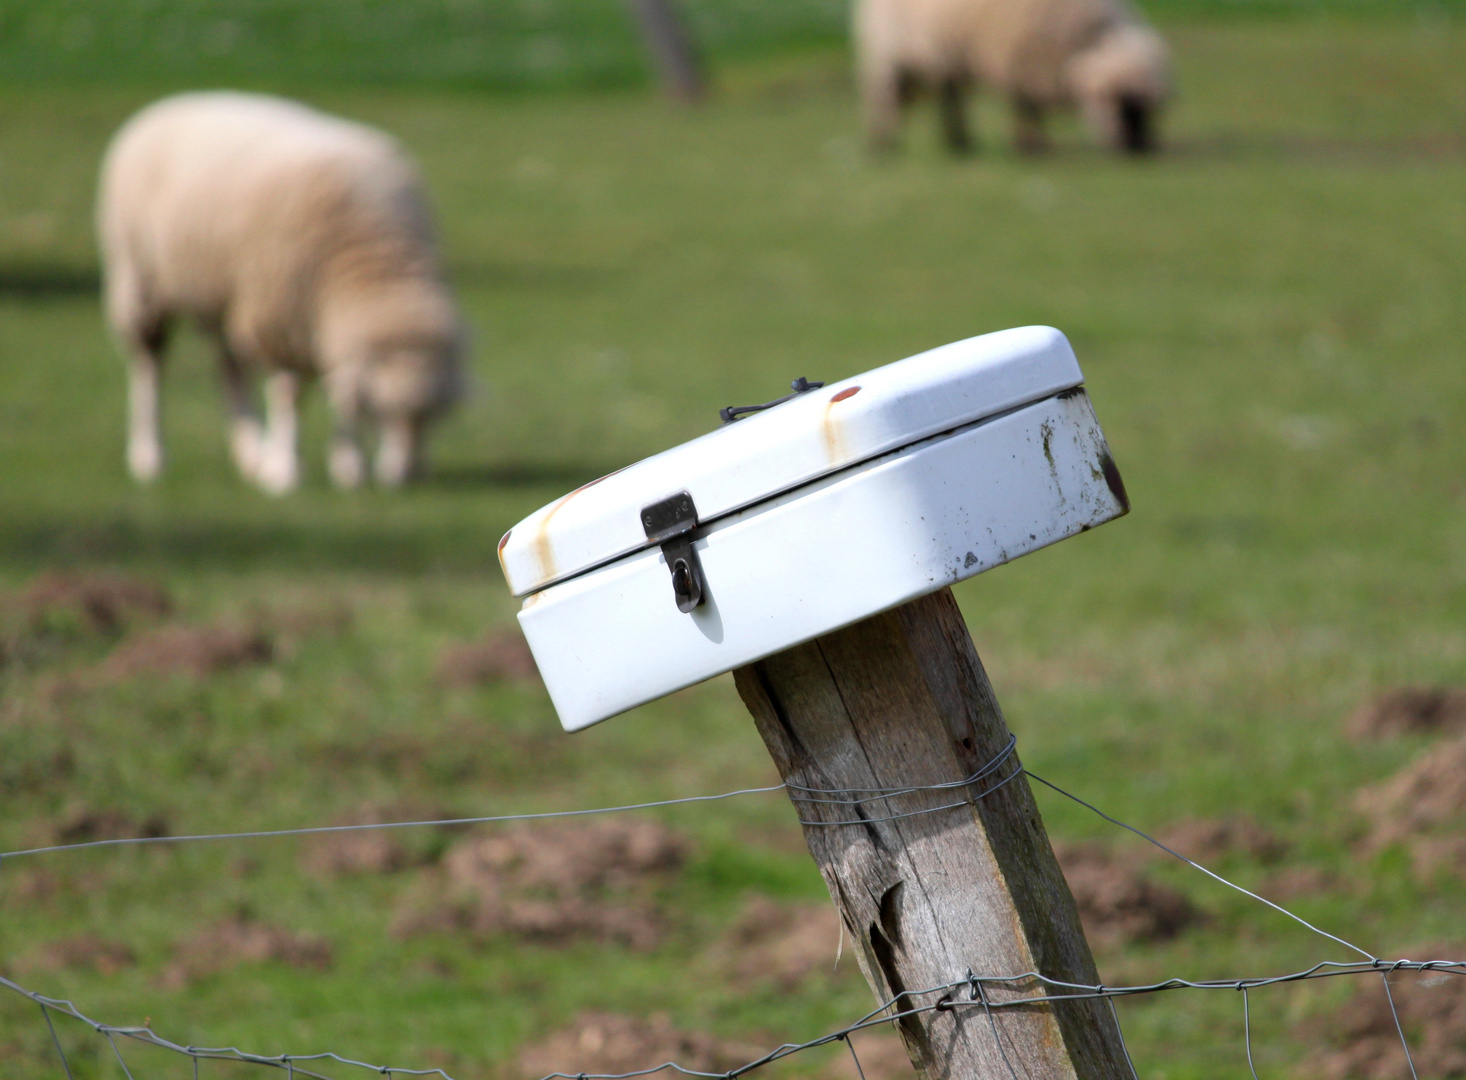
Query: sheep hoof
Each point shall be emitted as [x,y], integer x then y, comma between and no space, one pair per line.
[245,448]
[392,474]
[276,476]
[144,461]
[346,466]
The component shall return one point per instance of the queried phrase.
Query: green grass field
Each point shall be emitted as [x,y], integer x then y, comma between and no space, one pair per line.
[1270,316]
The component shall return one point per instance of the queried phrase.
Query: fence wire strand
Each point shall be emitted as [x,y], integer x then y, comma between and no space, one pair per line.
[1247,1032]
[947,997]
[494,819]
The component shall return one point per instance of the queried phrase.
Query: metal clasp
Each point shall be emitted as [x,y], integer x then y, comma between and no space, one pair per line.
[670,523]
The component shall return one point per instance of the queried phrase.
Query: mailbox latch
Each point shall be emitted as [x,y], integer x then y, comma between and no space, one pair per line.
[801,385]
[670,523]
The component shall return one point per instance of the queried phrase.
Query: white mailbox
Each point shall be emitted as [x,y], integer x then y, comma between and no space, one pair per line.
[806,515]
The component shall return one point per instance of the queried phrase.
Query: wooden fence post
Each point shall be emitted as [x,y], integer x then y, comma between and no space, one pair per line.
[901,700]
[678,65]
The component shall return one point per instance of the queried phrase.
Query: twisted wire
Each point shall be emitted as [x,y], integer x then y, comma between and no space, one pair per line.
[1050,990]
[881,1015]
[872,795]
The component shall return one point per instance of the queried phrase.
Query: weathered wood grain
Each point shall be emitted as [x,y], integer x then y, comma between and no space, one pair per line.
[902,699]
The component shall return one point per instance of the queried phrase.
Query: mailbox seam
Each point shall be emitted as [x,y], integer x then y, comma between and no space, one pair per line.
[711,524]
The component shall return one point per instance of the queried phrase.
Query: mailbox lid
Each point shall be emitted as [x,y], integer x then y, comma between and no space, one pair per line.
[763,455]
[829,554]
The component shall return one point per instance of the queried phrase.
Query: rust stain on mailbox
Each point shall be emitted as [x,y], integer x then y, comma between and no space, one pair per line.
[830,428]
[544,547]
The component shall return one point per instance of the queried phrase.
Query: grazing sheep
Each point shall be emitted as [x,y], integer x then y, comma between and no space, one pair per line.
[1041,54]
[303,244]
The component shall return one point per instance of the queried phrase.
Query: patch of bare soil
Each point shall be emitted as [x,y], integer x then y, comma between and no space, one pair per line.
[1365,1044]
[288,627]
[1422,806]
[237,941]
[181,649]
[327,617]
[1211,839]
[1291,883]
[553,882]
[1117,904]
[99,954]
[1410,710]
[454,752]
[610,1043]
[783,943]
[81,824]
[376,851]
[500,656]
[94,602]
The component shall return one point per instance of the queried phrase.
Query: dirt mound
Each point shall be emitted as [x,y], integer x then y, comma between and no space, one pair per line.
[326,617]
[81,824]
[783,943]
[500,656]
[196,651]
[605,853]
[1117,904]
[93,602]
[377,851]
[1365,1043]
[610,1043]
[98,954]
[1410,710]
[1212,839]
[555,882]
[1289,883]
[237,941]
[1422,806]
[288,626]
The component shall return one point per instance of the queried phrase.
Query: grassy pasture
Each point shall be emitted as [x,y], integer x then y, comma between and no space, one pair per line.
[1270,318]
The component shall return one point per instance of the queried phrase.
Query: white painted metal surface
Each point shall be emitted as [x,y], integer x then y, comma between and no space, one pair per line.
[797,563]
[762,455]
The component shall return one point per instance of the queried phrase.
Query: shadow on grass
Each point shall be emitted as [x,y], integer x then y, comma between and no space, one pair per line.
[449,521]
[42,282]
[32,546]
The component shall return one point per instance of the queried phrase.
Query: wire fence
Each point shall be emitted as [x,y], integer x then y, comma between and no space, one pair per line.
[968,992]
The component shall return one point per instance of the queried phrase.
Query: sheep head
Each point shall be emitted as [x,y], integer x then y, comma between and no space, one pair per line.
[396,352]
[1120,82]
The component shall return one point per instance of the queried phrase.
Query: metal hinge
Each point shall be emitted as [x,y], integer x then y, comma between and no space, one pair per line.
[670,523]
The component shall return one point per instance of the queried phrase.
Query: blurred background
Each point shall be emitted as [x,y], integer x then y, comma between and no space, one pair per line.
[1261,661]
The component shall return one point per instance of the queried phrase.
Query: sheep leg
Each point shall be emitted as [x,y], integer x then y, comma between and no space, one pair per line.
[144,434]
[1136,125]
[1029,135]
[278,471]
[246,434]
[398,449]
[883,96]
[347,462]
[954,116]
[143,333]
